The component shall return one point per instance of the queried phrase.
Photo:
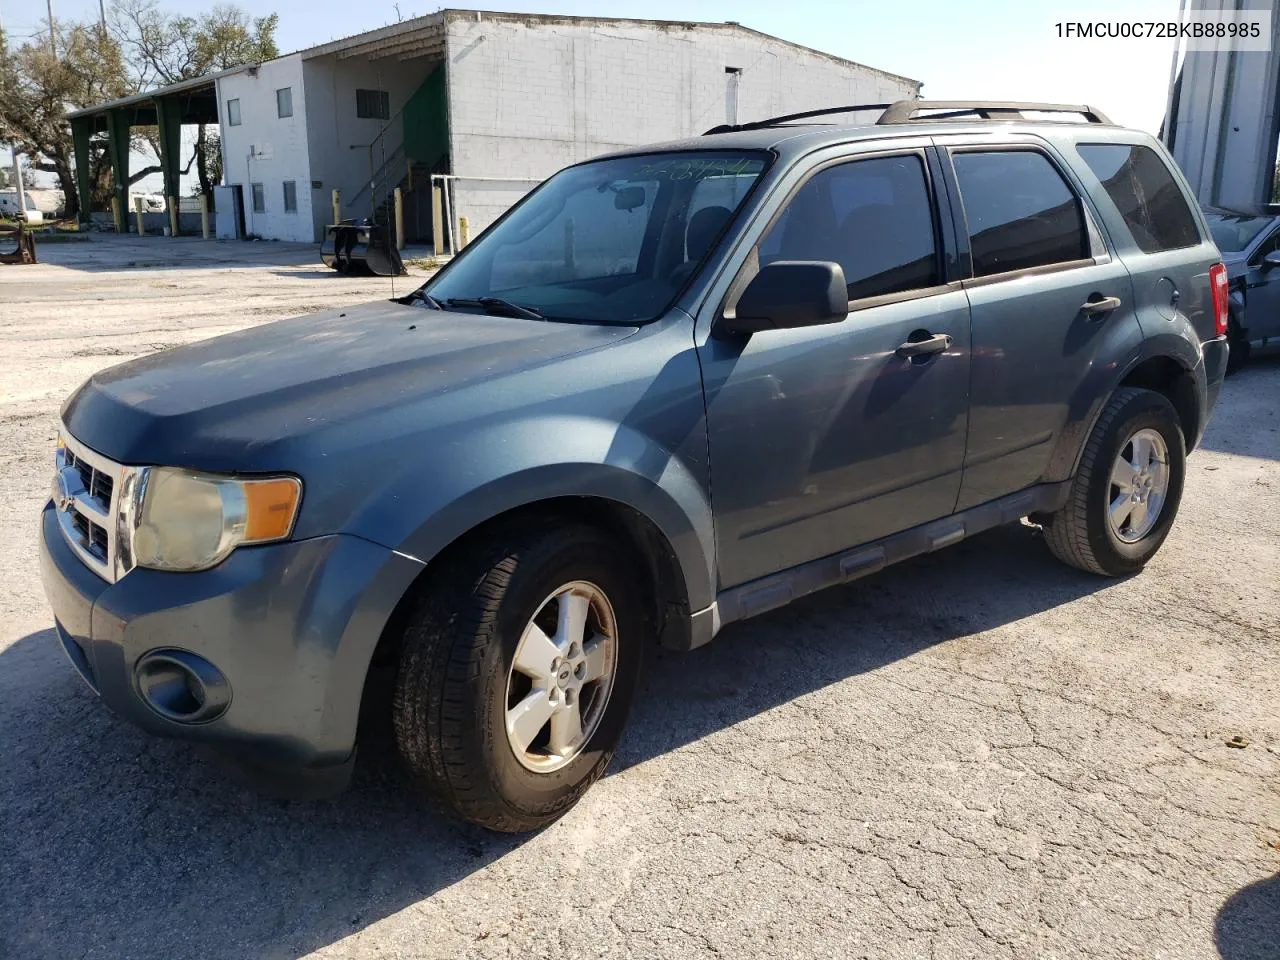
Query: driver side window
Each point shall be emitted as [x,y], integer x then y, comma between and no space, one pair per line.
[874,217]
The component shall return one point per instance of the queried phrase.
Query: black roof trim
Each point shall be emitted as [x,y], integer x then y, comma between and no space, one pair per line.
[787,118]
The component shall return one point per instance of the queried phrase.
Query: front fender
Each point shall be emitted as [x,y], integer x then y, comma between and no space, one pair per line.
[514,463]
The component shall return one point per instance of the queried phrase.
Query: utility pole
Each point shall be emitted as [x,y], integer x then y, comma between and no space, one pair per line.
[102,14]
[53,32]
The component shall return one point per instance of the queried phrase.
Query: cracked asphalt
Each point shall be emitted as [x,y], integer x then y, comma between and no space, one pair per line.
[977,754]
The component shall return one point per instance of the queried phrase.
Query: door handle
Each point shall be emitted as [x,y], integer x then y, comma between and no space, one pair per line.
[1093,307]
[937,343]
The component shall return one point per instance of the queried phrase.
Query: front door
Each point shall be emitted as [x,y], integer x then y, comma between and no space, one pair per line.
[825,438]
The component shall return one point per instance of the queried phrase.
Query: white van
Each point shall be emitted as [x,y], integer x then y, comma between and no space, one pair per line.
[9,207]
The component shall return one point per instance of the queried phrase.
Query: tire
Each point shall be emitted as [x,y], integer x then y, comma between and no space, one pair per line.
[1080,534]
[457,679]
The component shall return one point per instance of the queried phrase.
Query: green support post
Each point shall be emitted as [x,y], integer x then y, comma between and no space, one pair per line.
[169,120]
[81,130]
[118,152]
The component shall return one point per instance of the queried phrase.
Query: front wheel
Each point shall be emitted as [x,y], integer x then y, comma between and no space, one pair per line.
[1125,496]
[518,672]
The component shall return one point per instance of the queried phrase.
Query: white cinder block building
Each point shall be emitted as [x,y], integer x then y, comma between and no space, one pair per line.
[498,101]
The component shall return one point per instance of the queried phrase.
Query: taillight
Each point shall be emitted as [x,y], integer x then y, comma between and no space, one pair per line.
[1218,281]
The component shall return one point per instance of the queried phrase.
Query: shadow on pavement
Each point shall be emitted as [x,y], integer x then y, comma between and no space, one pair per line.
[108,253]
[1252,394]
[119,844]
[1248,925]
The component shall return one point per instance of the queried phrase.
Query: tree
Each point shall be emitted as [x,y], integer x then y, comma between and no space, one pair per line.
[37,90]
[165,48]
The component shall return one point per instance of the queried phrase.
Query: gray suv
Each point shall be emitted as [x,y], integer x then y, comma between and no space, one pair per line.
[673,388]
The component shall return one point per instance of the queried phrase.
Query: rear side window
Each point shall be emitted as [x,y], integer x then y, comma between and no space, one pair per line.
[1141,186]
[1020,211]
[873,217]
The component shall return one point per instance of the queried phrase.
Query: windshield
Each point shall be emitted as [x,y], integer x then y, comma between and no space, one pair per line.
[613,241]
[1233,232]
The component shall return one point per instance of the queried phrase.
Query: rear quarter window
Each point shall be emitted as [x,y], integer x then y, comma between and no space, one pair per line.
[1146,194]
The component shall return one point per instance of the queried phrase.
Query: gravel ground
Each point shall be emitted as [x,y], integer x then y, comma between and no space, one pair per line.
[980,753]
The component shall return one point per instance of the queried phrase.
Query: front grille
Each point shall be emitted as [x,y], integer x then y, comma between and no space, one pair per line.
[87,511]
[99,484]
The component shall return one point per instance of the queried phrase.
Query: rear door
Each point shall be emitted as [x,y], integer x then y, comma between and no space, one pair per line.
[1047,300]
[1157,236]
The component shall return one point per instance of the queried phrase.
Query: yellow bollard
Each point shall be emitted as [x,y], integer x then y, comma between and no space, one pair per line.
[117,215]
[464,232]
[337,206]
[437,218]
[137,208]
[172,203]
[399,219]
[204,215]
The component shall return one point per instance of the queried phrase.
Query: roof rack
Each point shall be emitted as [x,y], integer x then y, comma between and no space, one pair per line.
[905,111]
[787,118]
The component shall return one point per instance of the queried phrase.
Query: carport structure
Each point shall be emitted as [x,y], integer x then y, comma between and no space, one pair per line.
[167,109]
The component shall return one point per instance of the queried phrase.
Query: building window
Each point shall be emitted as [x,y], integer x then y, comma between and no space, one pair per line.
[290,196]
[233,113]
[284,102]
[259,199]
[373,104]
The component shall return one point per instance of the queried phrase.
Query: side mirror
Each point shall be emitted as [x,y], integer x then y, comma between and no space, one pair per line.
[1272,259]
[789,293]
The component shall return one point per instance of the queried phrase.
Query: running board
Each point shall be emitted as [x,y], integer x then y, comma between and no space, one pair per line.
[779,589]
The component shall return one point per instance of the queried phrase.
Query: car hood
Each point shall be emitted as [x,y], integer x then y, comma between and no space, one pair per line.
[228,402]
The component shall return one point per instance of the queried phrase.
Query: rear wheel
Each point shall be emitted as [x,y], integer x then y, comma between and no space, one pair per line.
[1124,498]
[518,672]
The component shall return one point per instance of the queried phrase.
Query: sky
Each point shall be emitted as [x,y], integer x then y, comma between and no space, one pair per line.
[979,49]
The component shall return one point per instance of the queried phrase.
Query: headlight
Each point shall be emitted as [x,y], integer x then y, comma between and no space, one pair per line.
[179,520]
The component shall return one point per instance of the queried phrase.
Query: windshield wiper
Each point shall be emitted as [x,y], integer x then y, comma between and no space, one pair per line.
[496,304]
[425,297]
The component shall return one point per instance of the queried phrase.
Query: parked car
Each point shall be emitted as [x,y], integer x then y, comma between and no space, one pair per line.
[1250,243]
[151,202]
[673,388]
[9,207]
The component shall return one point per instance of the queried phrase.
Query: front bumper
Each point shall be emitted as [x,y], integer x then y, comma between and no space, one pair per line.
[290,626]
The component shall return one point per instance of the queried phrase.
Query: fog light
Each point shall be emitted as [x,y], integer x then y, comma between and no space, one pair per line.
[181,686]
